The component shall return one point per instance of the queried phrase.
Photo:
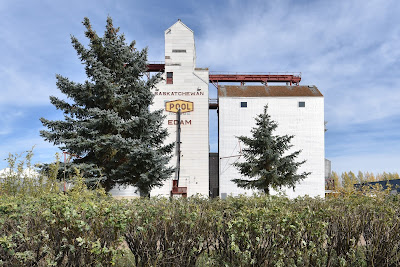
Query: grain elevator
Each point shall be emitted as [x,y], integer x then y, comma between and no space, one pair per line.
[183,95]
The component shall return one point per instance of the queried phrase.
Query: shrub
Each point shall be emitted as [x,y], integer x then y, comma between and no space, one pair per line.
[59,230]
[265,231]
[167,233]
[41,226]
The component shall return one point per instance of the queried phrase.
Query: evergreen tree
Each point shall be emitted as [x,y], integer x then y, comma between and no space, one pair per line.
[265,164]
[108,123]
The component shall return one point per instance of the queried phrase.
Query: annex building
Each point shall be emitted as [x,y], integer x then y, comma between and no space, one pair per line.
[183,95]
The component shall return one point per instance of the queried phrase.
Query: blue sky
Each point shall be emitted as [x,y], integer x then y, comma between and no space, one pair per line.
[349,49]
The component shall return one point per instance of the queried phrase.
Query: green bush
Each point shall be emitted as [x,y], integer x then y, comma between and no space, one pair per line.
[265,231]
[41,226]
[59,230]
[167,233]
[88,228]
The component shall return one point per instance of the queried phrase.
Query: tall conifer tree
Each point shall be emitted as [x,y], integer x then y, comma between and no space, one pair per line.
[265,164]
[107,121]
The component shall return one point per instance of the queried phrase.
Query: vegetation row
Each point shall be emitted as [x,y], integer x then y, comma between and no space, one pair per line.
[45,227]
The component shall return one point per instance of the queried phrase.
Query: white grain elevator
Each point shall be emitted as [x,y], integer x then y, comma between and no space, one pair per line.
[183,95]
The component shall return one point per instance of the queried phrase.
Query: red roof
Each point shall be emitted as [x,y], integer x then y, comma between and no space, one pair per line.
[267,91]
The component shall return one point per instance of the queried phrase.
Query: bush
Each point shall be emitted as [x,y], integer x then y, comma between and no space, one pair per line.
[41,226]
[265,231]
[167,233]
[88,227]
[59,230]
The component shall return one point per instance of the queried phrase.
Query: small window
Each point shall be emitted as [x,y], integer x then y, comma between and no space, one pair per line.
[170,77]
[243,104]
[178,50]
[302,104]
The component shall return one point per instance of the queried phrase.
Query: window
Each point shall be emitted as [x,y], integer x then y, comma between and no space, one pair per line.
[302,104]
[170,77]
[178,50]
[243,104]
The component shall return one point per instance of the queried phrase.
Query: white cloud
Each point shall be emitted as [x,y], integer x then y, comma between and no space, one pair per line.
[349,49]
[25,89]
[346,48]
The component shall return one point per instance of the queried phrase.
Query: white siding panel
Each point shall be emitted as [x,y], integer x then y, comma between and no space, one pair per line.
[306,124]
[194,137]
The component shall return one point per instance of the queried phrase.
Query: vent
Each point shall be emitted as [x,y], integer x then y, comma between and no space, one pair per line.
[178,50]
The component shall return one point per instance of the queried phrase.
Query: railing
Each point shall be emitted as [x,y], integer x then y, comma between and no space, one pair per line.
[296,74]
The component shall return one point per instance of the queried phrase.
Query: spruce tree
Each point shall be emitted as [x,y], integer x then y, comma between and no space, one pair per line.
[107,121]
[266,164]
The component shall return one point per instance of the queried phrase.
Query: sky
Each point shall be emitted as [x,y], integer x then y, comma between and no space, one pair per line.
[349,49]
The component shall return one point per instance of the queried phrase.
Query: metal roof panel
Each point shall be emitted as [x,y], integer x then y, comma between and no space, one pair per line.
[267,91]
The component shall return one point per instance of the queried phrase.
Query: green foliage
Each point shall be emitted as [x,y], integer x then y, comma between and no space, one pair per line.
[265,161]
[67,230]
[168,233]
[108,124]
[266,231]
[41,226]
[57,229]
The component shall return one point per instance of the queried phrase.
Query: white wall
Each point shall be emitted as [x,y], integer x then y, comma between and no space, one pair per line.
[306,124]
[189,84]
